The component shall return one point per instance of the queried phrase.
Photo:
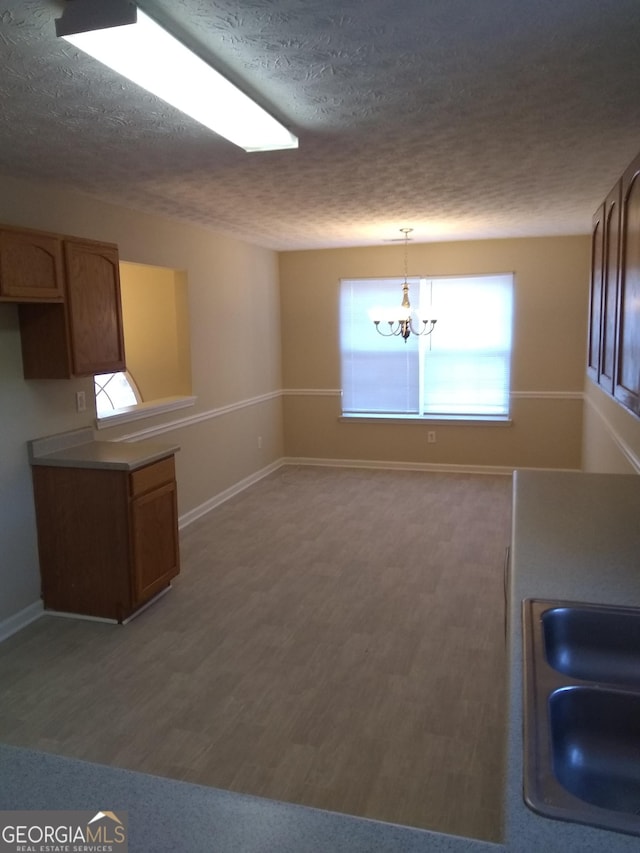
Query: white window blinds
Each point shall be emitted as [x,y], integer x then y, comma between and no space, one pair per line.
[462,370]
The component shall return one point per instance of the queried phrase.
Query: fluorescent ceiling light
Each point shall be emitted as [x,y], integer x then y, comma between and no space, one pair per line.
[149,56]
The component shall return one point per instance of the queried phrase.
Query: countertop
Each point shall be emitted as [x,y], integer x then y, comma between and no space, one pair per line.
[78,449]
[575,537]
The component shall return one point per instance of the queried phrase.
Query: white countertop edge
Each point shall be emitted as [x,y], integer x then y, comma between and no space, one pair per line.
[77,449]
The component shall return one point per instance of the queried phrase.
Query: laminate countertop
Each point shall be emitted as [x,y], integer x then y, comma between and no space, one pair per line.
[79,449]
[575,537]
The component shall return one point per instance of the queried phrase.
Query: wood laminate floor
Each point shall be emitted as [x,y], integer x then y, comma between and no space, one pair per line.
[336,638]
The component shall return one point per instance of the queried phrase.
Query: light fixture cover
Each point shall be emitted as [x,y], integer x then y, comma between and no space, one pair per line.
[82,15]
[133,44]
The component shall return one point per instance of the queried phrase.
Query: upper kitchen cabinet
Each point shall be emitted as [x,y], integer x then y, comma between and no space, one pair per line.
[595,294]
[613,351]
[627,384]
[610,285]
[31,266]
[94,307]
[603,299]
[82,336]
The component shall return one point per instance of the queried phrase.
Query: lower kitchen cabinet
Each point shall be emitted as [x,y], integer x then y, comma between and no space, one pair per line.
[107,538]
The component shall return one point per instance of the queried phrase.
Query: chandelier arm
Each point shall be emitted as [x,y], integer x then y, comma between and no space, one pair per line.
[392,331]
[424,331]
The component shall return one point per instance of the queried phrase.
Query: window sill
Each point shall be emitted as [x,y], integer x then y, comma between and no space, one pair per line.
[143,410]
[435,420]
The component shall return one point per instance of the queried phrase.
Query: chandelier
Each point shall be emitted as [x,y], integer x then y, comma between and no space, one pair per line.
[401,321]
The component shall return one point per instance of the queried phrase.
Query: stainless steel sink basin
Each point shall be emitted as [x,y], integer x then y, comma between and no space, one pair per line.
[595,741]
[594,643]
[582,713]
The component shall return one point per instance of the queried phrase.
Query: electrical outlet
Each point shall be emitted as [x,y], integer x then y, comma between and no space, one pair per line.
[259,442]
[81,401]
[431,436]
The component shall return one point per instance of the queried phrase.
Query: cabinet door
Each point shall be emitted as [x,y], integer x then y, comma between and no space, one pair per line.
[154,530]
[31,267]
[610,283]
[83,540]
[94,307]
[627,380]
[595,295]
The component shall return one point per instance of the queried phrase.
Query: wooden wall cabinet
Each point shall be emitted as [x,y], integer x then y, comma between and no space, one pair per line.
[610,289]
[603,299]
[613,353]
[595,294]
[31,266]
[108,539]
[627,374]
[70,307]
[84,335]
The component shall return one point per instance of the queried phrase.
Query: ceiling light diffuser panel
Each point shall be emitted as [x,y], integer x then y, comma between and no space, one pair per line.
[151,57]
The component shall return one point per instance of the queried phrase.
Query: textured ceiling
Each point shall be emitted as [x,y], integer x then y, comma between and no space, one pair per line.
[465,119]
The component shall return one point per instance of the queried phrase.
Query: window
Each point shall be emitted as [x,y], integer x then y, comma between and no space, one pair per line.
[115,391]
[461,370]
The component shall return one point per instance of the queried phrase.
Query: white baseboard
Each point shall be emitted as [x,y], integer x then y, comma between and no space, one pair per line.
[400,466]
[231,492]
[86,618]
[34,611]
[13,624]
[216,500]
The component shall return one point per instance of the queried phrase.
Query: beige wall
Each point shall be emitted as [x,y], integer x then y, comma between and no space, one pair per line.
[611,435]
[155,316]
[550,318]
[235,350]
[236,312]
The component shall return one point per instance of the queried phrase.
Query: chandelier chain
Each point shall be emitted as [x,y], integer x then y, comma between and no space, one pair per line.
[406,232]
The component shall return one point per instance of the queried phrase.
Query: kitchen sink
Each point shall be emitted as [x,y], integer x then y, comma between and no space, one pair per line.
[594,643]
[595,742]
[582,713]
